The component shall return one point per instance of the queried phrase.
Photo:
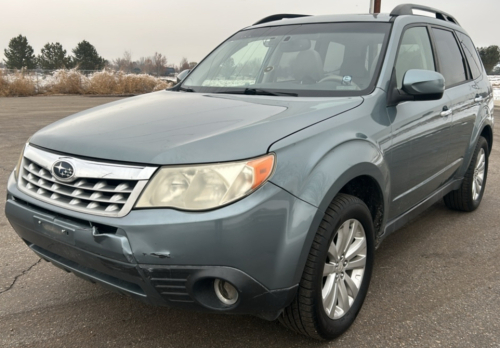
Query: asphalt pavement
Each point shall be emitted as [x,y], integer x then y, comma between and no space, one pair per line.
[436,282]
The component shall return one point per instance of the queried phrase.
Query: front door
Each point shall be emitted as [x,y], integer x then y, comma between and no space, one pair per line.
[419,160]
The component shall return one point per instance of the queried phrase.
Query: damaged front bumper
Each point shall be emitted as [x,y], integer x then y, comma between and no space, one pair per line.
[172,258]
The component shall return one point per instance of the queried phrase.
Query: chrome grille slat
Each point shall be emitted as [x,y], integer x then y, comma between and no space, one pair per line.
[85,196]
[87,186]
[111,192]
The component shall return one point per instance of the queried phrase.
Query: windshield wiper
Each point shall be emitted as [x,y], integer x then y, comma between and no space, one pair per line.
[186,89]
[258,91]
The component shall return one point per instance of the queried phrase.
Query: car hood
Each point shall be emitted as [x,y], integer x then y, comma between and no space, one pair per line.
[179,128]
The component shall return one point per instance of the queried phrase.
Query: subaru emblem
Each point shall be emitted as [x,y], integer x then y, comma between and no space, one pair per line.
[63,171]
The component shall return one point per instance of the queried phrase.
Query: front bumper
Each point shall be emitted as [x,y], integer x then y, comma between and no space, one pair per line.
[171,258]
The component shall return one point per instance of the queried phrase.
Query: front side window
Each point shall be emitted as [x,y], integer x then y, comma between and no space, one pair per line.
[415,52]
[334,59]
[451,61]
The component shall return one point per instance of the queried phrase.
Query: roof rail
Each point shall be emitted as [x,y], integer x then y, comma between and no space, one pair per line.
[407,9]
[278,17]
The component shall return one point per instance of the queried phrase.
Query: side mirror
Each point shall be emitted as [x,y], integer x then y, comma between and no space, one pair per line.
[182,75]
[417,85]
[424,84]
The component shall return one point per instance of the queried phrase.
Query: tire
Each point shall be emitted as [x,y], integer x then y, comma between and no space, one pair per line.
[307,314]
[467,197]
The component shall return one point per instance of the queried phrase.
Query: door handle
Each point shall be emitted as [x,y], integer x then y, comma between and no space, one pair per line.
[478,99]
[446,112]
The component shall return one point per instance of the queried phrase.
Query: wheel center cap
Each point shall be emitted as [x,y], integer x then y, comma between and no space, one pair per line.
[340,267]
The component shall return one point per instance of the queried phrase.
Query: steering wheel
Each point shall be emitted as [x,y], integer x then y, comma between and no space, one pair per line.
[338,79]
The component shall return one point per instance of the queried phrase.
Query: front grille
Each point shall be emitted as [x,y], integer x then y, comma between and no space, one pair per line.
[100,195]
[92,194]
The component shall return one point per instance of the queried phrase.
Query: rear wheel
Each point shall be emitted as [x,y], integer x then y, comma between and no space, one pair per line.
[337,273]
[469,195]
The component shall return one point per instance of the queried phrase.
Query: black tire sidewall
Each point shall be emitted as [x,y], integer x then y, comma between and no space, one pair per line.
[481,144]
[327,327]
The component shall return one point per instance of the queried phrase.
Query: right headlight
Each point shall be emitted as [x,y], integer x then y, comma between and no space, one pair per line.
[204,187]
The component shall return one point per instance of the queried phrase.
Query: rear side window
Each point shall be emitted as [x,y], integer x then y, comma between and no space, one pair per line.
[415,52]
[475,64]
[451,61]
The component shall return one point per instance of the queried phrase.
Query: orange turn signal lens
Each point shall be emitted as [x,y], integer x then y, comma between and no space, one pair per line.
[263,168]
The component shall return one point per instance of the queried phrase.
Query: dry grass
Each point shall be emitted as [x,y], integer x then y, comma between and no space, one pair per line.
[3,85]
[73,82]
[17,85]
[67,82]
[112,82]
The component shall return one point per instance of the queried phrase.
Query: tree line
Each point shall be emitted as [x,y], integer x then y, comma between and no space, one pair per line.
[20,54]
[154,65]
[491,58]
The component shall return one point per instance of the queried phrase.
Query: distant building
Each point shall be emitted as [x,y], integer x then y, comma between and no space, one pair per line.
[169,72]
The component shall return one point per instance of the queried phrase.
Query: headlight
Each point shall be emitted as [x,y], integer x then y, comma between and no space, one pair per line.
[205,187]
[17,170]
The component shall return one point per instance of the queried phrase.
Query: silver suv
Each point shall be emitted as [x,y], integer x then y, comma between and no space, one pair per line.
[263,182]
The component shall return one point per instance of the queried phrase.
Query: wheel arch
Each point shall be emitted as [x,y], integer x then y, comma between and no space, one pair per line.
[487,133]
[366,182]
[366,178]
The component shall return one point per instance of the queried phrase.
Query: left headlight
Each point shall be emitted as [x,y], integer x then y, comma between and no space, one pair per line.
[204,187]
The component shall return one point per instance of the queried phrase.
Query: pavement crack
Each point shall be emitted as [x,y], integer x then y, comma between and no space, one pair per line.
[20,275]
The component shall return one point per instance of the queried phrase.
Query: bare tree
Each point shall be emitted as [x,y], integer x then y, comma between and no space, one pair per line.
[145,65]
[148,66]
[184,64]
[159,62]
[124,64]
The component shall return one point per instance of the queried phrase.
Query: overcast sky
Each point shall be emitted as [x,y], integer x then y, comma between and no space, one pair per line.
[191,28]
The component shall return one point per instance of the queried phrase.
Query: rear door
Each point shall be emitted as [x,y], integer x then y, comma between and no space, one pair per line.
[461,89]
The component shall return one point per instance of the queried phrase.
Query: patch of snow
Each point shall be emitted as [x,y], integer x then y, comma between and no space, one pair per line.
[495,83]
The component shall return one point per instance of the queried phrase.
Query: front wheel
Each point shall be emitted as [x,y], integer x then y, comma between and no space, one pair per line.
[337,273]
[469,195]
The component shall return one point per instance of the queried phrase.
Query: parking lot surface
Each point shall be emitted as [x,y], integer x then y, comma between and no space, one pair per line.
[436,282]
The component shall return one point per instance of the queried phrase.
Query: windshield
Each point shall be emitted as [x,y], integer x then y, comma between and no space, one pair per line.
[333,59]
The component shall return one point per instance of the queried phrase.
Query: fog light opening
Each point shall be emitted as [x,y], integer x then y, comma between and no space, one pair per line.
[225,292]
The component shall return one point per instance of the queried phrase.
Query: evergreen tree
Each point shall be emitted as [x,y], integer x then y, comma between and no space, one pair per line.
[53,57]
[490,57]
[87,58]
[19,54]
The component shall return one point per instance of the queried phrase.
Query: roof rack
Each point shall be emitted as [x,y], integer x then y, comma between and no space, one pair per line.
[407,9]
[278,17]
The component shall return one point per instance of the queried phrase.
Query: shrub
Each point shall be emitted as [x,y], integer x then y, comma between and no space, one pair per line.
[20,84]
[4,85]
[113,82]
[74,82]
[67,82]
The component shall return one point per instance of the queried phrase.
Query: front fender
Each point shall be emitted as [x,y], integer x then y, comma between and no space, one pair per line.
[314,164]
[318,182]
[315,173]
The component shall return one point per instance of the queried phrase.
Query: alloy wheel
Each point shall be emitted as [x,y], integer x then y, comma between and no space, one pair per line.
[478,180]
[344,268]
